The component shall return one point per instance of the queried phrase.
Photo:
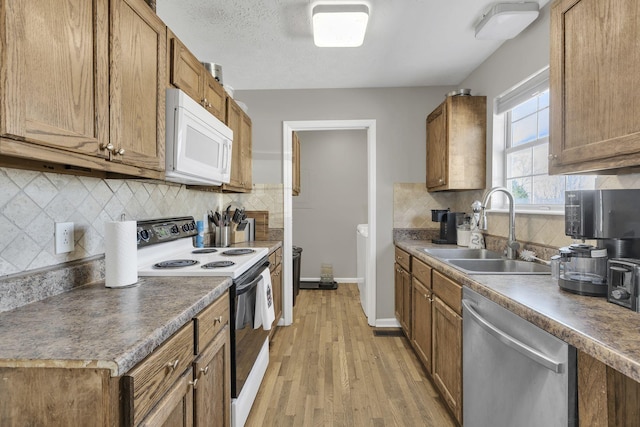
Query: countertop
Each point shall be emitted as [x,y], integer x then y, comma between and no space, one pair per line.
[605,331]
[93,326]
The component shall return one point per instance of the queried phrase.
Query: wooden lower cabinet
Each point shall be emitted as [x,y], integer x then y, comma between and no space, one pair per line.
[275,258]
[174,385]
[212,389]
[403,298]
[176,407]
[447,355]
[421,322]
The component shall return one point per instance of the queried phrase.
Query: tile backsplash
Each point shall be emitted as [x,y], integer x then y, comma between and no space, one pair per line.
[31,202]
[412,205]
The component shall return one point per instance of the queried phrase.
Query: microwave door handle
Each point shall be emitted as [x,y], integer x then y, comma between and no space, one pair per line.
[226,156]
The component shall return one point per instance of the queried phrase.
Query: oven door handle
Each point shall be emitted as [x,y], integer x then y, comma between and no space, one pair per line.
[253,283]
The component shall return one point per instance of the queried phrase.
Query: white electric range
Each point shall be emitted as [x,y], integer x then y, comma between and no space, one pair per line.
[165,248]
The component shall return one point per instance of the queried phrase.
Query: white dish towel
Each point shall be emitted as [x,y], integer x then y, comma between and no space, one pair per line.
[265,313]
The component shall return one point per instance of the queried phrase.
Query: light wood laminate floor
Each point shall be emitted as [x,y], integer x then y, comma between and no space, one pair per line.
[328,369]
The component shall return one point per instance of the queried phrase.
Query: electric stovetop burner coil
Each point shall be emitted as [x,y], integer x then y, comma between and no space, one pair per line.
[175,263]
[242,251]
[218,264]
[204,251]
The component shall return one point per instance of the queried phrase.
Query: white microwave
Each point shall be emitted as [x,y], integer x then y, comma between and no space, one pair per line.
[198,150]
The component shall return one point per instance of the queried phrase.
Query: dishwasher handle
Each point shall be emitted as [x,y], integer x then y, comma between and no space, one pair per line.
[512,342]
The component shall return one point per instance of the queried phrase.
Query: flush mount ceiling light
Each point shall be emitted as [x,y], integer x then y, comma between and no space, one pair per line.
[506,20]
[339,25]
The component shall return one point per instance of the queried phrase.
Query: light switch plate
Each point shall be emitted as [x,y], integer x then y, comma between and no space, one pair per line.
[64,237]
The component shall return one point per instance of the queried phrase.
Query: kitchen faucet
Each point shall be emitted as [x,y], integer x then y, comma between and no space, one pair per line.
[512,245]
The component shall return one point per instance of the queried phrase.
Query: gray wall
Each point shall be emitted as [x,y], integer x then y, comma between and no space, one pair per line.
[400,115]
[332,200]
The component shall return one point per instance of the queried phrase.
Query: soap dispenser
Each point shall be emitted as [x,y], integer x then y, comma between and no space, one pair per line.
[477,239]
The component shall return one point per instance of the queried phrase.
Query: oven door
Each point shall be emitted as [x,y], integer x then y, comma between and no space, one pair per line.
[246,342]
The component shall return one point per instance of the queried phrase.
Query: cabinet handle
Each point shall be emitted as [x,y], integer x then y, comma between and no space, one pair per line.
[217,320]
[440,180]
[552,156]
[120,151]
[205,370]
[108,147]
[194,383]
[173,365]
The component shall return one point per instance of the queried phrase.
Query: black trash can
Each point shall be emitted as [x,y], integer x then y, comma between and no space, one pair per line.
[297,259]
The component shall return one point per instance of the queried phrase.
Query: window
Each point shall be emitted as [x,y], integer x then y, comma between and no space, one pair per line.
[525,114]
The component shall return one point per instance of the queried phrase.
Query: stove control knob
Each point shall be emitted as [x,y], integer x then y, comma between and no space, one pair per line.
[174,229]
[185,227]
[192,226]
[620,294]
[144,235]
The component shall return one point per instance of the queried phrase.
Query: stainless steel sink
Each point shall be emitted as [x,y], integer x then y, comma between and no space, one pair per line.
[462,253]
[498,266]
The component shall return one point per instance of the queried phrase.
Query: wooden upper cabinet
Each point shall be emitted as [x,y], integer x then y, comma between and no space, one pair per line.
[54,79]
[456,144]
[295,167]
[595,114]
[188,74]
[80,86]
[138,57]
[241,154]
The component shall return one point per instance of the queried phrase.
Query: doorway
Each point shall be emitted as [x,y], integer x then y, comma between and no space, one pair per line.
[317,125]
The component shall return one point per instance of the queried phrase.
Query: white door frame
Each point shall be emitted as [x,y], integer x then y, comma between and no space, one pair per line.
[287,151]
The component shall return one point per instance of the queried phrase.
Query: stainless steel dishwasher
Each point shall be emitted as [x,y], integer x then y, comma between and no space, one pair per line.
[514,373]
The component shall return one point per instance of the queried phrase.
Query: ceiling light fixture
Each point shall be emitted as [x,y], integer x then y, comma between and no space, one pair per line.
[506,20]
[339,25]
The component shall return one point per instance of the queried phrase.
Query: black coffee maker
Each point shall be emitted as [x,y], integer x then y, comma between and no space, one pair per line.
[448,225]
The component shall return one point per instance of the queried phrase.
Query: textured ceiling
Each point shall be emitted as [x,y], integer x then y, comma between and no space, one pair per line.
[267,44]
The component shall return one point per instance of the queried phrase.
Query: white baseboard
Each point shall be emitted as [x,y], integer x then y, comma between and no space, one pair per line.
[391,322]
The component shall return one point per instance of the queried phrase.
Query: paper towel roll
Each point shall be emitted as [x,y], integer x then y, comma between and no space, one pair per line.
[121,253]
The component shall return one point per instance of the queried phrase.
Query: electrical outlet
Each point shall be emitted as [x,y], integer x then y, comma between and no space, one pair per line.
[64,237]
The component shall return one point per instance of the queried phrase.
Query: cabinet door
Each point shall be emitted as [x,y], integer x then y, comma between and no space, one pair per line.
[138,49]
[246,159]
[595,117]
[212,391]
[214,97]
[406,303]
[421,322]
[54,78]
[234,121]
[437,164]
[295,167]
[398,292]
[186,71]
[447,355]
[276,283]
[176,407]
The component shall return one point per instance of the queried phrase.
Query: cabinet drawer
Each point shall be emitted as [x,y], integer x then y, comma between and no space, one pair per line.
[404,259]
[421,272]
[275,258]
[210,321]
[448,291]
[146,384]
